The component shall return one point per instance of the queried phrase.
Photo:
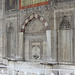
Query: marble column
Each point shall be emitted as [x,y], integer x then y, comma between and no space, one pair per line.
[48,34]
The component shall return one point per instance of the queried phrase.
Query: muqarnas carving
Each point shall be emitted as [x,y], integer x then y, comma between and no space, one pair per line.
[64,23]
[10,4]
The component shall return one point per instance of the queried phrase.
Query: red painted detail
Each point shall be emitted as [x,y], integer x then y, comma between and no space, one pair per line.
[44,20]
[20,5]
[33,5]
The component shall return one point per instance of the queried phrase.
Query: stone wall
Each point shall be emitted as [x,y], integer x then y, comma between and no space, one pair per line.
[35,32]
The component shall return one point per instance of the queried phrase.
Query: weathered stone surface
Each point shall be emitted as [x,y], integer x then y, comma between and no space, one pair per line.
[65,45]
[34,45]
[68,67]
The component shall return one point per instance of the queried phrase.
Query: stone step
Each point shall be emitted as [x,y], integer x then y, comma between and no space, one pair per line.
[31,65]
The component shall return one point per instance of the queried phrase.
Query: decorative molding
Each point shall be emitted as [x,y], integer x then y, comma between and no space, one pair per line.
[30,18]
[31,3]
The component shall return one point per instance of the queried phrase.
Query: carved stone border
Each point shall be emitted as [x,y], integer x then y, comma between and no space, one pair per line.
[30,18]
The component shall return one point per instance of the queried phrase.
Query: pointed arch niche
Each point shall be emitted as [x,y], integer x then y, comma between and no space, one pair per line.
[36,43]
[65,41]
[11,42]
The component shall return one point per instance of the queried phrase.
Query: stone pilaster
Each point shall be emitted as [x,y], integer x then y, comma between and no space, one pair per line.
[20,50]
[48,34]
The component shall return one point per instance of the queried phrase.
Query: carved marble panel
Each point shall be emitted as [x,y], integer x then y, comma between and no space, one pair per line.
[35,40]
[49,52]
[36,49]
[11,41]
[35,26]
[65,40]
[10,38]
[65,46]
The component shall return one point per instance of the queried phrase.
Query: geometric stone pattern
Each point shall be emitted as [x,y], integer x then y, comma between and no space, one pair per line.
[65,23]
[30,18]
